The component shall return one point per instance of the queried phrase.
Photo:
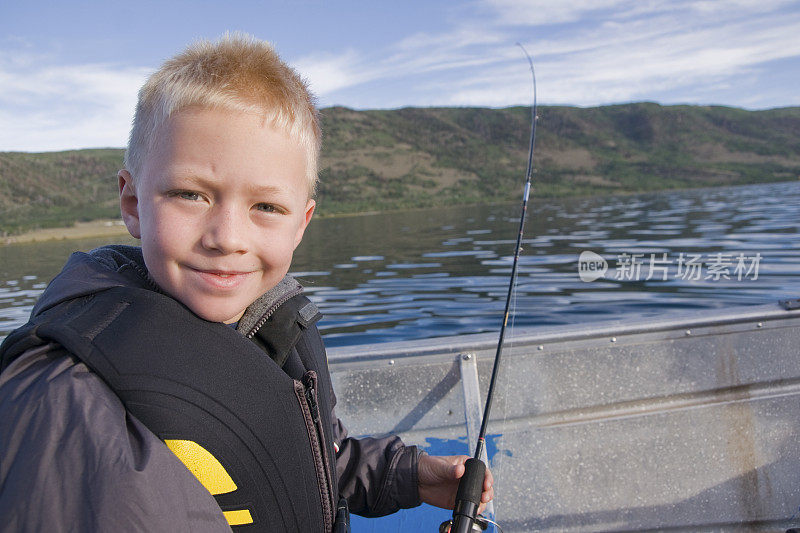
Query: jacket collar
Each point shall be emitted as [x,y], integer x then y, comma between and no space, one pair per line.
[123,266]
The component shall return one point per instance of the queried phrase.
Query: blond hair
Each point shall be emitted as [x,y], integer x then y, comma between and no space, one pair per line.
[235,73]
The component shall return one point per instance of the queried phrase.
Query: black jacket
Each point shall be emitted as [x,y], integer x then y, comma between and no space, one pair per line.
[59,416]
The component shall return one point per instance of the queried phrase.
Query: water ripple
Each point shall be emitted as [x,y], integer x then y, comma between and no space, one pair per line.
[374,279]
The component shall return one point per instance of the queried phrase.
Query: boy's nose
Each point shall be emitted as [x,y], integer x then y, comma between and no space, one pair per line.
[225,232]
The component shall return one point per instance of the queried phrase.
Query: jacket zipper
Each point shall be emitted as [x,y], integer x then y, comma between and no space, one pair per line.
[306,392]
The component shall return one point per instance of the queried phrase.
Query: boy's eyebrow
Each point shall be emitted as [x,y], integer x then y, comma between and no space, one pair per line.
[253,189]
[266,189]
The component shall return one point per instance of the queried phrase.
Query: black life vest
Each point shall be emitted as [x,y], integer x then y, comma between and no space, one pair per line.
[261,438]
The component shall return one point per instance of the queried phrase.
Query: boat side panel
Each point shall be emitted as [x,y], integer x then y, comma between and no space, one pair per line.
[686,428]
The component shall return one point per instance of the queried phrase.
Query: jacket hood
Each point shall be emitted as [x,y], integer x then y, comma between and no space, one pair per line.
[100,269]
[123,266]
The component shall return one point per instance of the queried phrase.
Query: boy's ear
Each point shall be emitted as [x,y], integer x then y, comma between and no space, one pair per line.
[309,212]
[129,203]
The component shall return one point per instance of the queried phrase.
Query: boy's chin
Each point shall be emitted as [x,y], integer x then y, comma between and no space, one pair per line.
[216,316]
[211,309]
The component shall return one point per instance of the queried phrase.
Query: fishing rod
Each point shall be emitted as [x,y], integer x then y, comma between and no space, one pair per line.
[470,488]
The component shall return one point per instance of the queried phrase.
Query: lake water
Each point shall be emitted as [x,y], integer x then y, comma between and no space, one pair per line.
[436,272]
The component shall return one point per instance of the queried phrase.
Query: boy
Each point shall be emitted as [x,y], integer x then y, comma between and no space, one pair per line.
[183,385]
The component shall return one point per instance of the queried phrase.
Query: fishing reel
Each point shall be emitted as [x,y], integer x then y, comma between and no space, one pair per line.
[480,524]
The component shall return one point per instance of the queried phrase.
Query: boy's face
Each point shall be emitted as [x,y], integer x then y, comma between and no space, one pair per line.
[220,206]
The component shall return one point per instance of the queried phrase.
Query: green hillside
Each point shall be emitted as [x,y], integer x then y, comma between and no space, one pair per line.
[415,157]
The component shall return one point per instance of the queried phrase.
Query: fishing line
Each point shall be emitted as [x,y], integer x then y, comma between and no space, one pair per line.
[499,462]
[507,385]
[468,497]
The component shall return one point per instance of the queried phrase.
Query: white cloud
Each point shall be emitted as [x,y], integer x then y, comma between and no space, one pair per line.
[547,12]
[618,60]
[586,52]
[754,6]
[56,107]
[605,51]
[541,12]
[413,56]
[677,59]
[327,73]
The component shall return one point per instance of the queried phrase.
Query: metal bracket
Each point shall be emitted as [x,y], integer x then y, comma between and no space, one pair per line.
[472,397]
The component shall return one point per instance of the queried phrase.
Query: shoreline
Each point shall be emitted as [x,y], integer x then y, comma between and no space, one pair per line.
[81,230]
[116,227]
[107,227]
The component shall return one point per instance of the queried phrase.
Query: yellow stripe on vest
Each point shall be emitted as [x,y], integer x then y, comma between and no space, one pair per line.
[238,518]
[203,465]
[210,473]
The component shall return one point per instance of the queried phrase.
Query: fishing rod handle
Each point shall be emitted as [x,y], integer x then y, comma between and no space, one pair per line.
[468,496]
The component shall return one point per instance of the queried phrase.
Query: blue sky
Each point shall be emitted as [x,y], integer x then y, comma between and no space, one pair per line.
[69,71]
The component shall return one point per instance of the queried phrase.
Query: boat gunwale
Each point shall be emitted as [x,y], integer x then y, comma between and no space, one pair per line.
[544,335]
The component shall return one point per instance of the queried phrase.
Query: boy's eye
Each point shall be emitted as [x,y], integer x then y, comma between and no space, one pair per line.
[267,208]
[188,195]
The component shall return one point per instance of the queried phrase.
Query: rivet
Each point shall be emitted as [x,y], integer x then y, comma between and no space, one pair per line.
[688,332]
[760,325]
[466,356]
[613,339]
[540,347]
[391,361]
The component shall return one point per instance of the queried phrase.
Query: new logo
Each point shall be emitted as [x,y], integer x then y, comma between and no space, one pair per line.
[591,266]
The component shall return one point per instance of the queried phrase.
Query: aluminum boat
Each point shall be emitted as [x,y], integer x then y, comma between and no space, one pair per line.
[688,421]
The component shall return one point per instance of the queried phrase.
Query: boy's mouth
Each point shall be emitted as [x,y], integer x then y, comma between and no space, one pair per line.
[222,278]
[222,273]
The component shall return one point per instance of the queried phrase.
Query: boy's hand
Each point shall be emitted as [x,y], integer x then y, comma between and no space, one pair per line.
[439,476]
